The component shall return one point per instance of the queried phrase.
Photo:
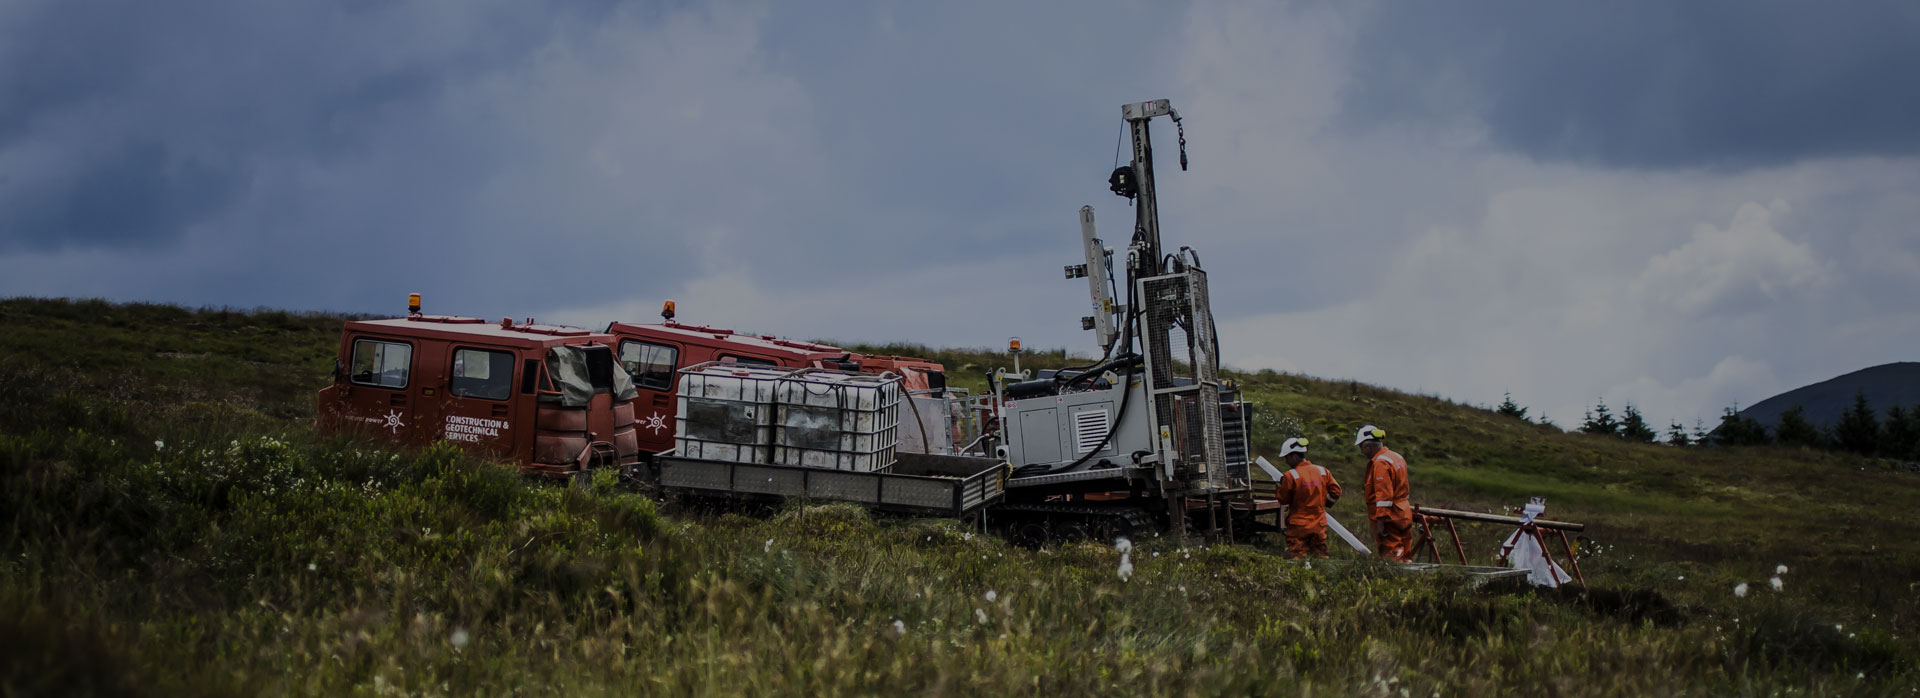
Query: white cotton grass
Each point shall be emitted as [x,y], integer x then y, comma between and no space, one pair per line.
[899,628]
[159,445]
[459,638]
[992,596]
[768,547]
[1125,547]
[1780,570]
[1776,583]
[1740,589]
[980,616]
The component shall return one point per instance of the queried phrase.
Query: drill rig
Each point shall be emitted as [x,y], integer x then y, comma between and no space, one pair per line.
[1149,433]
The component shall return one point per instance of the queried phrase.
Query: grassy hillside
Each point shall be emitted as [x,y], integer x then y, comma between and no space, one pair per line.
[173,527]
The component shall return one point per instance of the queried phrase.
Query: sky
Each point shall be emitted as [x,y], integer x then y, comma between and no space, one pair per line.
[1682,206]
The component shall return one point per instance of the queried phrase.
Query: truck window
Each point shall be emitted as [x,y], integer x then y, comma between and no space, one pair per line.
[748,360]
[580,372]
[382,364]
[651,365]
[482,373]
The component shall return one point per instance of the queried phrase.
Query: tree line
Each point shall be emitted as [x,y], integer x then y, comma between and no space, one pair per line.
[1860,429]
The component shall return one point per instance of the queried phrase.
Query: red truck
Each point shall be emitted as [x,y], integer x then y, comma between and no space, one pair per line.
[551,399]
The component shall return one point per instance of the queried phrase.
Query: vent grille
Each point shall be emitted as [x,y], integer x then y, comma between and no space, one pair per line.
[1090,427]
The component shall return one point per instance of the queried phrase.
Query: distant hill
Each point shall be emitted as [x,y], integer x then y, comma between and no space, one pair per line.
[1884,385]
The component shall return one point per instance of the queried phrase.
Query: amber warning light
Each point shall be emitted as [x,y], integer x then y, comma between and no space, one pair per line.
[666,309]
[1013,345]
[413,303]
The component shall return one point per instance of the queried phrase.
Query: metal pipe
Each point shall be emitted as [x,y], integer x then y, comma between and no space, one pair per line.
[1496,518]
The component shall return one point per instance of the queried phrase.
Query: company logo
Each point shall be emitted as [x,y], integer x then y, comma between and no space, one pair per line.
[393,423]
[657,422]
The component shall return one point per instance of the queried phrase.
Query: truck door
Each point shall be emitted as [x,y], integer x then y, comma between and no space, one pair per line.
[380,372]
[652,366]
[476,412]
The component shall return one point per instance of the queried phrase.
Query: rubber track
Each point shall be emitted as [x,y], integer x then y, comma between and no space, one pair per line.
[1136,517]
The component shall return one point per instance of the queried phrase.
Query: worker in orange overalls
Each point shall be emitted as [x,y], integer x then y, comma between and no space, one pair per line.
[1306,490]
[1388,507]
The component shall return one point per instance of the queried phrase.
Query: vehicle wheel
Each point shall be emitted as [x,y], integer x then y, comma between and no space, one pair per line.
[1029,534]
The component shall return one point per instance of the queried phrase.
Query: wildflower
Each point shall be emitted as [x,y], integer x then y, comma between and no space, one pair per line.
[1126,568]
[312,567]
[460,638]
[1780,570]
[991,596]
[1776,583]
[1838,627]
[768,547]
[1681,578]
[159,445]
[1740,589]
[1123,545]
[980,616]
[899,628]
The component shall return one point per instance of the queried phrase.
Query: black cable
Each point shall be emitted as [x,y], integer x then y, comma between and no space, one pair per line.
[1126,398]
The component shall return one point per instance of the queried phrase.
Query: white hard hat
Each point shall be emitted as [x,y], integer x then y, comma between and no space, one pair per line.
[1294,445]
[1368,433]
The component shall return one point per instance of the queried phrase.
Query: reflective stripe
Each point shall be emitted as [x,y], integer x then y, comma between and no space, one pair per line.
[1383,504]
[1323,471]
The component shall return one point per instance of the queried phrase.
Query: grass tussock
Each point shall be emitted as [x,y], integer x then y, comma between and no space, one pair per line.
[181,531]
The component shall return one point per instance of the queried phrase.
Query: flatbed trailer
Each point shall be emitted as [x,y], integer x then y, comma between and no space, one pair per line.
[918,483]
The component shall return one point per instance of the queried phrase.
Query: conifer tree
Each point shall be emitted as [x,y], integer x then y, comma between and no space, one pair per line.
[1858,431]
[1677,435]
[1601,421]
[1634,426]
[1738,430]
[1794,429]
[1903,432]
[1699,432]
[1512,409]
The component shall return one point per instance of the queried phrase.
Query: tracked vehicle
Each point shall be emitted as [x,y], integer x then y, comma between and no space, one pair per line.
[1147,436]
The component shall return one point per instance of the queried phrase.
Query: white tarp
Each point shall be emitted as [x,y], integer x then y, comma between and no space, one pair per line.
[1527,555]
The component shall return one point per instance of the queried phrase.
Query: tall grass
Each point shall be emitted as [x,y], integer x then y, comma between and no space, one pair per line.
[218,547]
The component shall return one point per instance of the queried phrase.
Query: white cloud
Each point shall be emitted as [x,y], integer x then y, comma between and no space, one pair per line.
[1742,267]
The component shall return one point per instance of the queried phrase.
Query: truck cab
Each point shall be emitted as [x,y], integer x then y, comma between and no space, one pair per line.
[653,354]
[551,399]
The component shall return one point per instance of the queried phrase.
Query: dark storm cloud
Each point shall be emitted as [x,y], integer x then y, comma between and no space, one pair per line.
[123,123]
[1647,83]
[137,195]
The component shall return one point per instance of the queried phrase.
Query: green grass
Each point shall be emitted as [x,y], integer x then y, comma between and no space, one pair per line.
[174,527]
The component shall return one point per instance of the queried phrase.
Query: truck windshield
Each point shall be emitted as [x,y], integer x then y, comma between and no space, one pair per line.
[581,372]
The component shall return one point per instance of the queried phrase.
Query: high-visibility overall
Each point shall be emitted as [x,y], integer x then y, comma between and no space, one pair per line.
[1306,490]
[1388,505]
